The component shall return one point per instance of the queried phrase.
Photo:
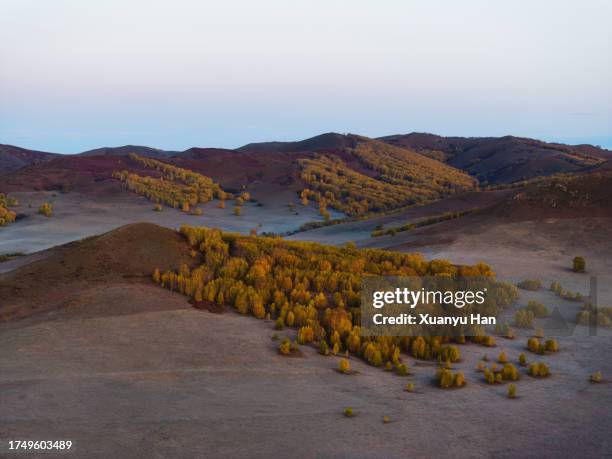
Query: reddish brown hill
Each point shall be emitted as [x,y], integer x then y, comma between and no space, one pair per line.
[127,254]
[68,172]
[504,159]
[233,169]
[127,149]
[13,158]
[583,196]
[323,142]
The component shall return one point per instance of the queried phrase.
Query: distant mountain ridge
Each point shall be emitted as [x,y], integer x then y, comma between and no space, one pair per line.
[503,159]
[13,158]
[127,149]
[492,160]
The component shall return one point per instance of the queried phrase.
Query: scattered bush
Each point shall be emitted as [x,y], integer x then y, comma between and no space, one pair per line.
[579,265]
[348,412]
[510,372]
[344,366]
[556,288]
[323,348]
[279,324]
[450,353]
[446,379]
[503,358]
[533,344]
[522,360]
[584,318]
[46,209]
[538,370]
[530,284]
[597,377]
[285,347]
[551,345]
[523,318]
[489,341]
[401,369]
[495,376]
[538,309]
[386,420]
[512,391]
[6,216]
[410,387]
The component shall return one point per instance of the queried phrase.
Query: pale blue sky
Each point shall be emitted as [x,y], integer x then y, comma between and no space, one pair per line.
[76,75]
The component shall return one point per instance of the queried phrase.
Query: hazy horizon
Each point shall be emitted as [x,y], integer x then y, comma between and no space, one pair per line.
[173,75]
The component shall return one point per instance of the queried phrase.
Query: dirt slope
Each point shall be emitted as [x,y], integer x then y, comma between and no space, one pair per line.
[127,254]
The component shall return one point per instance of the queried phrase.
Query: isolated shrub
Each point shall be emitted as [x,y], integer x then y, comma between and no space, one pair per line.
[348,412]
[344,366]
[410,387]
[522,360]
[538,309]
[46,209]
[386,420]
[498,378]
[158,207]
[530,284]
[503,358]
[555,287]
[445,378]
[539,332]
[523,318]
[579,264]
[451,353]
[510,372]
[533,344]
[489,376]
[401,369]
[551,345]
[512,391]
[221,204]
[285,347]
[237,211]
[597,377]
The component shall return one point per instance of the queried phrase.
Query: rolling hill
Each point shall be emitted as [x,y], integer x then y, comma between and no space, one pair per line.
[13,158]
[125,254]
[127,149]
[499,160]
